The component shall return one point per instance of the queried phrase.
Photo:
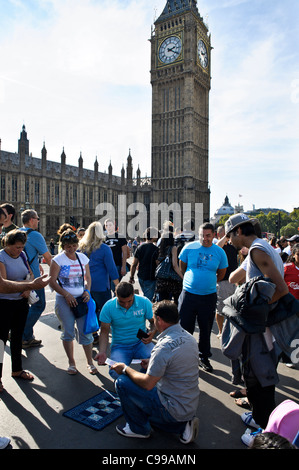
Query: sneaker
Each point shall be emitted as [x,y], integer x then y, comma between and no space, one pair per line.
[248,420]
[248,437]
[127,432]
[31,343]
[191,431]
[205,365]
[4,442]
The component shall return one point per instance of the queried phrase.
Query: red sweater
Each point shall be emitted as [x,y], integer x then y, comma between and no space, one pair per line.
[291,277]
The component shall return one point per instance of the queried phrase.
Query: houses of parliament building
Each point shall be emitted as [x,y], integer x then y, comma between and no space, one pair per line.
[181,79]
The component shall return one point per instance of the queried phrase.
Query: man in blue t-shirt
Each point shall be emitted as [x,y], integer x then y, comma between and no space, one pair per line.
[203,265]
[35,247]
[126,314]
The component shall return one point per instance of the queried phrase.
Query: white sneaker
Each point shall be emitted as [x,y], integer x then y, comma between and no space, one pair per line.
[248,420]
[4,441]
[191,431]
[127,432]
[248,437]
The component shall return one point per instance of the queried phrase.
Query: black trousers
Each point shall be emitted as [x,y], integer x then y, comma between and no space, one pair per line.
[262,401]
[202,308]
[13,315]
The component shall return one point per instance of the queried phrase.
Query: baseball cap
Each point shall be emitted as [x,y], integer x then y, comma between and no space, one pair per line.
[294,238]
[236,220]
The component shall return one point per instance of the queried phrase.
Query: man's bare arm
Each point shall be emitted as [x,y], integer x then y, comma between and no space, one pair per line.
[268,268]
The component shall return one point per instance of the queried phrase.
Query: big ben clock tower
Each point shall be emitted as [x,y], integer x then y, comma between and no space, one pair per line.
[180,77]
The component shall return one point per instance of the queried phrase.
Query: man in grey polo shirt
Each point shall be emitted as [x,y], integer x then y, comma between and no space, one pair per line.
[171,380]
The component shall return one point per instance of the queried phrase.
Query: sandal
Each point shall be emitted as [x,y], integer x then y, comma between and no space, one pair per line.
[24,375]
[72,370]
[92,369]
[238,393]
[243,402]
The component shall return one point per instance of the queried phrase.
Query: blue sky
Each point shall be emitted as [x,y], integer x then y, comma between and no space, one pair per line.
[76,73]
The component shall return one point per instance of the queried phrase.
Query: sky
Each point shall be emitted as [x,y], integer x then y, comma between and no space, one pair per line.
[76,73]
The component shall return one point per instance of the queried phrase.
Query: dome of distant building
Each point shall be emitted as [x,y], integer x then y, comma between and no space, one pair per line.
[225,209]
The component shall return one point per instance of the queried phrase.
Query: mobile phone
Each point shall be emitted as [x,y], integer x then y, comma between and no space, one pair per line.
[142,334]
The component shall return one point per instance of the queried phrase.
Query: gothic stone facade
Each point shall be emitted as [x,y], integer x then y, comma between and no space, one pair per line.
[58,191]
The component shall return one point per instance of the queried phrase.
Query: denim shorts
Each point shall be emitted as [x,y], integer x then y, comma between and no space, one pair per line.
[71,327]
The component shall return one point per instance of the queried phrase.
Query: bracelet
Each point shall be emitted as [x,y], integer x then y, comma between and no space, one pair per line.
[124,370]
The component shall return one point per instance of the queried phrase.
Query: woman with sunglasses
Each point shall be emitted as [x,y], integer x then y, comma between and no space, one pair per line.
[70,278]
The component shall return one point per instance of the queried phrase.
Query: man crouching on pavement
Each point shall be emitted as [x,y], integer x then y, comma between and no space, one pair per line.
[167,394]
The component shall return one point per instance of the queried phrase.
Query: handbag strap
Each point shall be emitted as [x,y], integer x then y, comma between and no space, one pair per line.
[81,270]
[24,258]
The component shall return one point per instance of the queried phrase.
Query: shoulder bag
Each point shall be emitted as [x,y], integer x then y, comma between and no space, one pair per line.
[165,269]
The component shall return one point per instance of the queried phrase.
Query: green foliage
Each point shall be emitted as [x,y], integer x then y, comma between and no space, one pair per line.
[223,219]
[290,229]
[279,223]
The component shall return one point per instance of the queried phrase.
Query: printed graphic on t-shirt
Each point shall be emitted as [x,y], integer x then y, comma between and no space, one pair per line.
[71,276]
[203,259]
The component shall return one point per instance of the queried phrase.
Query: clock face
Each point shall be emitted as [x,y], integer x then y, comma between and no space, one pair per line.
[170,49]
[202,54]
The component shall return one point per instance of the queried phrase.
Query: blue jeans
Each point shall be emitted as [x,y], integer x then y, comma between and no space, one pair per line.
[68,323]
[148,288]
[142,408]
[127,352]
[34,313]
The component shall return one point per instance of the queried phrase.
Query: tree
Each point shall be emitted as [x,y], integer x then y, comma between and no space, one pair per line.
[289,230]
[223,219]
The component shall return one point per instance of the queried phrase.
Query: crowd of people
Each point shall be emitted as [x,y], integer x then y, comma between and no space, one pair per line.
[186,279]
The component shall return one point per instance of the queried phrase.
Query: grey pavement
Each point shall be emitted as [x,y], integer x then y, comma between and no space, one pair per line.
[31,412]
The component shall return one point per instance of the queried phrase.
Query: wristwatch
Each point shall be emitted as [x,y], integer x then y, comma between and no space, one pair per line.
[124,370]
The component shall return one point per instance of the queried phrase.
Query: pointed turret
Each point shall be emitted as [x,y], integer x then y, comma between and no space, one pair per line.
[80,161]
[44,157]
[63,157]
[129,168]
[96,168]
[23,142]
[177,7]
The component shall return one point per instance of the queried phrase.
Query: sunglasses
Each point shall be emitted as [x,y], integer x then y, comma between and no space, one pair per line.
[71,236]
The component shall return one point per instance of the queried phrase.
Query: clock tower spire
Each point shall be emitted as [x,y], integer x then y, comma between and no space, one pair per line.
[180,78]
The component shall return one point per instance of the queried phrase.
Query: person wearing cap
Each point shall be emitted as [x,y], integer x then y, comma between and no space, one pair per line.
[262,261]
[291,242]
[203,264]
